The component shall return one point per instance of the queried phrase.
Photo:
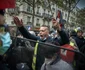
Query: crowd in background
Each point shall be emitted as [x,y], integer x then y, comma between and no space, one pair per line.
[39,51]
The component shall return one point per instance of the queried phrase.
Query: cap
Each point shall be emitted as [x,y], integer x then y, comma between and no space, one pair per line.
[2,12]
[73,33]
[79,30]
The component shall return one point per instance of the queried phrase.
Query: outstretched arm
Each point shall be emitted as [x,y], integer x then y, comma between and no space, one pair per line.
[22,29]
[63,35]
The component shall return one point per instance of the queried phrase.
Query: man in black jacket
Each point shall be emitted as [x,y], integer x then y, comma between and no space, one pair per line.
[43,37]
[80,39]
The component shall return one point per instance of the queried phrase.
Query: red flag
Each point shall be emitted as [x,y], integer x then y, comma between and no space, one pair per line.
[7,4]
[59,18]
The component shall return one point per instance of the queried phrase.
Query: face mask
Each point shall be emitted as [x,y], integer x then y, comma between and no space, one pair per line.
[43,39]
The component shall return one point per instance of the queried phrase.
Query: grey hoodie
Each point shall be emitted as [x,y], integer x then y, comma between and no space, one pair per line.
[59,65]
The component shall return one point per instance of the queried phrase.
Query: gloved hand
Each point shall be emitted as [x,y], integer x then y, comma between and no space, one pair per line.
[18,22]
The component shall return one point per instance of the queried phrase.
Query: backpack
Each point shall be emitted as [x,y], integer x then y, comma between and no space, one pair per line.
[67,55]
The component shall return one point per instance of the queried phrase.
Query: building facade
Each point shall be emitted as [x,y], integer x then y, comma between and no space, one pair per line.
[42,15]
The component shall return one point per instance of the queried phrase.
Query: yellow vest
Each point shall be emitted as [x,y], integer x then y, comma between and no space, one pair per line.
[71,43]
[34,56]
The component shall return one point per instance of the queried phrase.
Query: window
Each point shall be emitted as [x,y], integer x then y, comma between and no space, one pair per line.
[65,16]
[12,22]
[48,12]
[43,21]
[28,18]
[48,22]
[10,10]
[29,9]
[14,11]
[52,14]
[53,8]
[53,4]
[37,20]
[38,8]
[44,10]
[62,14]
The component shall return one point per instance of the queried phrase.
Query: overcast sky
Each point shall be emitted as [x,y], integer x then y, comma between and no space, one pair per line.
[81,4]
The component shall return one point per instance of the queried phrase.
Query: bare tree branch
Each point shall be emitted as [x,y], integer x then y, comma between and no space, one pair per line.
[75,5]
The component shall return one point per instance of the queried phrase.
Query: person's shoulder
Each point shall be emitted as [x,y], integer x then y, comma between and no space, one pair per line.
[65,65]
[62,65]
[76,37]
[50,38]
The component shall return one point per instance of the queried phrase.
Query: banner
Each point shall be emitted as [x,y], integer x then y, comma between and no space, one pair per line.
[7,4]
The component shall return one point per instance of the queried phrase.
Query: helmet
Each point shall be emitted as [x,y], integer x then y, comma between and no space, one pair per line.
[79,30]
[73,33]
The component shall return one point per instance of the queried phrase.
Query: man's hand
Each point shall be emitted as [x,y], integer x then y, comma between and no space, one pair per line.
[56,24]
[18,22]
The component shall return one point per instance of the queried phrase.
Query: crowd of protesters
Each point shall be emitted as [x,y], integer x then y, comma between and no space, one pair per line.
[41,55]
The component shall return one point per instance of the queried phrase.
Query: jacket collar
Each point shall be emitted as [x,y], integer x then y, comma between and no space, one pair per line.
[55,60]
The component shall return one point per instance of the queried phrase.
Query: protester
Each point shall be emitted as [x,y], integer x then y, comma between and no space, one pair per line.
[4,38]
[4,34]
[53,60]
[73,35]
[80,39]
[43,37]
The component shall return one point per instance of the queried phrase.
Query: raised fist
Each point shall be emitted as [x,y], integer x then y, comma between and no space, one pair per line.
[18,22]
[56,24]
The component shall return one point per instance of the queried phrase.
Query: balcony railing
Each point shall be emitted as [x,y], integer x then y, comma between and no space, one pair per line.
[13,11]
[29,23]
[47,16]
[37,24]
[38,13]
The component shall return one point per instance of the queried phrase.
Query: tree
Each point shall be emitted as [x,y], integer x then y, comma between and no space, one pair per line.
[64,4]
[29,2]
[69,5]
[81,17]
